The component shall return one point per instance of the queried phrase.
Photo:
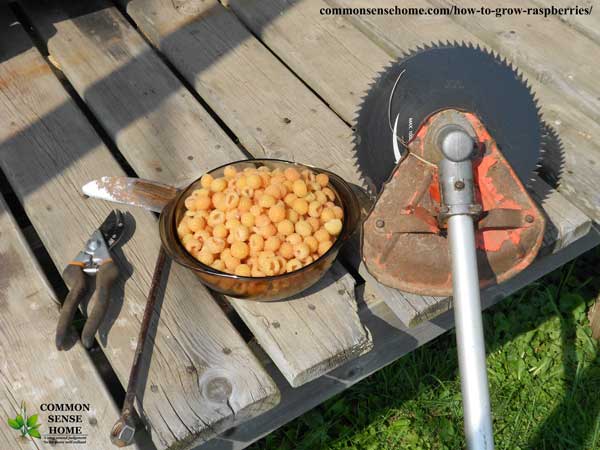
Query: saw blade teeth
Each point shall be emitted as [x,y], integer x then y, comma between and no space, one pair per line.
[431,45]
[405,53]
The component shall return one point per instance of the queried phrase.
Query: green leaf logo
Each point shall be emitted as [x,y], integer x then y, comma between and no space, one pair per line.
[28,426]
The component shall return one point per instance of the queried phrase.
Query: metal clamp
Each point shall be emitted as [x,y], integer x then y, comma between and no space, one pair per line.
[456,172]
[95,253]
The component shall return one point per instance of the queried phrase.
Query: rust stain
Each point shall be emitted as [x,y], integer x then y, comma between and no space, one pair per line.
[31,72]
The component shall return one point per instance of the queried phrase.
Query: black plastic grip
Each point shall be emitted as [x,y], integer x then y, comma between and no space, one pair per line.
[75,280]
[105,278]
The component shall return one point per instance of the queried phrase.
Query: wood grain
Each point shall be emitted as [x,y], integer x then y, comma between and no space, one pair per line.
[149,121]
[565,224]
[585,24]
[214,68]
[31,369]
[154,120]
[306,339]
[199,376]
[326,52]
[270,111]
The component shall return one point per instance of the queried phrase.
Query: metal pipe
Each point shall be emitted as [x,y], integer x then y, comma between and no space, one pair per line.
[469,334]
[123,431]
[460,208]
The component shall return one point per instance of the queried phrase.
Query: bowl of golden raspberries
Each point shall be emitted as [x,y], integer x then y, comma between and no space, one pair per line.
[260,229]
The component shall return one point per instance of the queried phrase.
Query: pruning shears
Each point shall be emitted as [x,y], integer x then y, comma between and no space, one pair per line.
[93,260]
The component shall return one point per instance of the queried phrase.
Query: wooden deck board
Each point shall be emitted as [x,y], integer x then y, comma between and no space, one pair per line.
[326,52]
[31,369]
[158,126]
[269,110]
[585,24]
[177,46]
[577,166]
[305,340]
[334,57]
[200,377]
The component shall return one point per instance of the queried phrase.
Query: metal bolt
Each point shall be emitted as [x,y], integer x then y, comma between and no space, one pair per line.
[529,218]
[459,185]
[380,223]
[93,245]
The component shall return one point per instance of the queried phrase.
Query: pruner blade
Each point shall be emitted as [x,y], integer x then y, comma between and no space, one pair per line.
[112,228]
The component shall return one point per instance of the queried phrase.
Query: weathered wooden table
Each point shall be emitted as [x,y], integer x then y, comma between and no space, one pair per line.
[166,89]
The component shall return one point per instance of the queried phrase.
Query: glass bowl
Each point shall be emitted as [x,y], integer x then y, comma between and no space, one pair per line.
[269,288]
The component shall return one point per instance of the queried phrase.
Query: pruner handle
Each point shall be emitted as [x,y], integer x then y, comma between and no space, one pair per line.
[106,276]
[76,282]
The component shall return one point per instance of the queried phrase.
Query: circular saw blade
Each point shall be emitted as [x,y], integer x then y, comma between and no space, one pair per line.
[445,76]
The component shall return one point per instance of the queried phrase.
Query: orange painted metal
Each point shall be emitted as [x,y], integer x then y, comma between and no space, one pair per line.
[404,241]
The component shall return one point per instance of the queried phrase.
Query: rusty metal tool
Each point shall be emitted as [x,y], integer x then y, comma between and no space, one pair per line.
[123,431]
[94,260]
[447,140]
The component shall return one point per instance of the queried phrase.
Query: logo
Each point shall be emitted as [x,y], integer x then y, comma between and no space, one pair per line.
[27,425]
[65,423]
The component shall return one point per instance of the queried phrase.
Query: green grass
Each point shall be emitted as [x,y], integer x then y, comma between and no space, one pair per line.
[543,368]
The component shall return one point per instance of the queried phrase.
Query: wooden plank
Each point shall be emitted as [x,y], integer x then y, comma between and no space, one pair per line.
[594,317]
[565,224]
[296,341]
[585,24]
[158,111]
[154,120]
[574,157]
[32,370]
[199,375]
[326,52]
[327,59]
[392,341]
[269,110]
